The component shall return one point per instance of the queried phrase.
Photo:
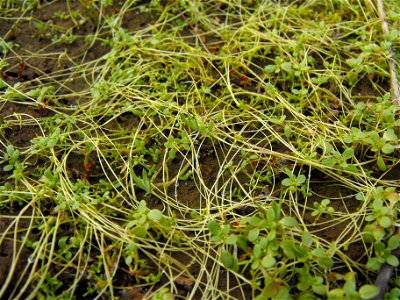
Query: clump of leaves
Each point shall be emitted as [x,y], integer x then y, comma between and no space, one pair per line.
[11,157]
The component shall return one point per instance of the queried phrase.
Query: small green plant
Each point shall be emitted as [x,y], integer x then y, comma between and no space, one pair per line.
[383,200]
[382,144]
[11,157]
[145,221]
[322,207]
[383,254]
[333,157]
[6,47]
[294,183]
[278,66]
[42,94]
[46,142]
[14,92]
[198,124]
[218,232]
[44,28]
[67,38]
[174,144]
[143,182]
[163,294]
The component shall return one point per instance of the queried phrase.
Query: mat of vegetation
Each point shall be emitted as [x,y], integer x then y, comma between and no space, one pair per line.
[198,149]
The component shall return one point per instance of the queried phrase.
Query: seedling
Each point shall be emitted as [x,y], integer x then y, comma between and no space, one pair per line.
[383,254]
[46,142]
[294,183]
[11,157]
[143,182]
[322,208]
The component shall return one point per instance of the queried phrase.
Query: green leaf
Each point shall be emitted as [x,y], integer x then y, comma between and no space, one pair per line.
[348,153]
[242,243]
[300,179]
[10,149]
[271,215]
[374,137]
[143,183]
[368,291]
[378,203]
[269,69]
[336,294]
[254,221]
[128,260]
[51,142]
[381,164]
[319,289]
[229,261]
[264,241]
[307,239]
[325,202]
[379,234]
[388,116]
[257,251]
[349,287]
[271,235]
[390,135]
[288,249]
[325,262]
[142,207]
[155,215]
[348,139]
[392,260]
[8,168]
[287,131]
[286,66]
[283,293]
[318,252]
[268,261]
[360,197]
[287,182]
[385,221]
[225,229]
[214,227]
[387,148]
[373,264]
[62,242]
[15,155]
[393,242]
[255,265]
[329,162]
[231,240]
[379,247]
[140,232]
[278,121]
[289,222]
[353,62]
[367,234]
[253,234]
[53,139]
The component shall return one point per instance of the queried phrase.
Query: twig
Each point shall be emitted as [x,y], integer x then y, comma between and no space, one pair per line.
[394,85]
